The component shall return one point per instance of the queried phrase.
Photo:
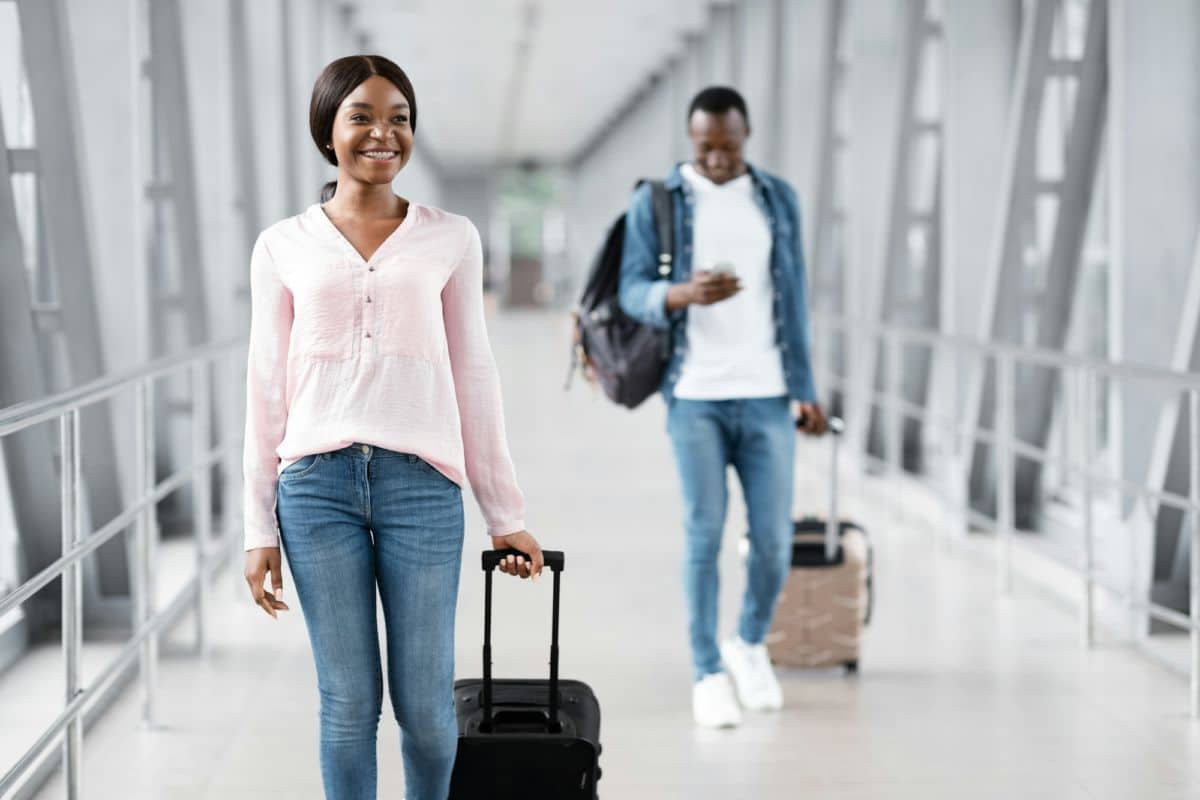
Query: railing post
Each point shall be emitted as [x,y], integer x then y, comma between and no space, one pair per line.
[143,575]
[946,436]
[1194,516]
[1087,419]
[1113,399]
[1070,382]
[201,491]
[963,447]
[1002,446]
[892,411]
[72,593]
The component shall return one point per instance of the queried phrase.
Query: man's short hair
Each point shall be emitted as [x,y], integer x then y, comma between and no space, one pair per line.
[718,100]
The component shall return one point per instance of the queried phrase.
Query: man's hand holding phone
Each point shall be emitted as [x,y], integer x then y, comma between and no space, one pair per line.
[706,287]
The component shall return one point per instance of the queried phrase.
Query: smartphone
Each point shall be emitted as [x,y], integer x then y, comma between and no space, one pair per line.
[724,268]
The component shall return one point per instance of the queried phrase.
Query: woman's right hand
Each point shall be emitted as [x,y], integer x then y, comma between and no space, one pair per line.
[531,566]
[259,562]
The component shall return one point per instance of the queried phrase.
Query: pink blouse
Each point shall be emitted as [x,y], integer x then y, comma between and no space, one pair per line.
[392,352]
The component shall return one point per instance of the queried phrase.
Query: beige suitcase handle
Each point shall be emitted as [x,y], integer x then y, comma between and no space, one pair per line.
[832,527]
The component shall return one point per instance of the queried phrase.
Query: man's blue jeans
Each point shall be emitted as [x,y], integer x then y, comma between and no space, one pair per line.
[758,437]
[349,520]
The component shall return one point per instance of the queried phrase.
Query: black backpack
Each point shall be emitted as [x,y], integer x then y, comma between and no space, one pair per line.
[627,357]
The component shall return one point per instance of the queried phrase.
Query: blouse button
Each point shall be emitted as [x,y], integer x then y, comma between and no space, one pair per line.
[370,269]
[368,299]
[368,334]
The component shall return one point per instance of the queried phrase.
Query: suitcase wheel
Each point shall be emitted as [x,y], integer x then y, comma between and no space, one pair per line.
[852,667]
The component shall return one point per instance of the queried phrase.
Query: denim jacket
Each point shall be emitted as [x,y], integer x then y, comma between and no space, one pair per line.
[644,283]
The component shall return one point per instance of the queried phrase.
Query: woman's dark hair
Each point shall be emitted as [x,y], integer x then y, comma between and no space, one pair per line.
[338,80]
[718,100]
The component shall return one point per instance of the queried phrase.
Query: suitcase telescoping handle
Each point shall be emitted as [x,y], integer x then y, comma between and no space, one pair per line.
[491,558]
[832,526]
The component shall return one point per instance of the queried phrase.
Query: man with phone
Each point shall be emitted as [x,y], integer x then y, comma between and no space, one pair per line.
[734,298]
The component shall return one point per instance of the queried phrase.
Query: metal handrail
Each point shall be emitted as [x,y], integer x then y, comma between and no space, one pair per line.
[895,408]
[22,415]
[1040,356]
[110,529]
[910,410]
[149,623]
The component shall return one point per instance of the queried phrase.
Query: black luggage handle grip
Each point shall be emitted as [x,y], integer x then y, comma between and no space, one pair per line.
[491,558]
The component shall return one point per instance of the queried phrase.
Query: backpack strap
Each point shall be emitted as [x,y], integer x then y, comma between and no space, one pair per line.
[664,220]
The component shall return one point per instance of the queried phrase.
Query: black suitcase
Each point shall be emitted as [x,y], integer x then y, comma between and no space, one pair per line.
[527,739]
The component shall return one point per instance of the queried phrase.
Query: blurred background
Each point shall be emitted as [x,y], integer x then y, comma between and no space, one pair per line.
[1001,202]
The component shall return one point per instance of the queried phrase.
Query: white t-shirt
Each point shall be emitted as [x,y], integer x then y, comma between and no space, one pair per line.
[731,349]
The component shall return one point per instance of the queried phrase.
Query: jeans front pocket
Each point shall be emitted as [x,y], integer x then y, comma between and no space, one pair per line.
[301,467]
[428,468]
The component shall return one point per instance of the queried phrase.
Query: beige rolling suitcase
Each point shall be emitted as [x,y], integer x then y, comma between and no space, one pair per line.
[827,599]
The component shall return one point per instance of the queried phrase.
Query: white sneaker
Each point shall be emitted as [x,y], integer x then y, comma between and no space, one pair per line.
[713,702]
[750,667]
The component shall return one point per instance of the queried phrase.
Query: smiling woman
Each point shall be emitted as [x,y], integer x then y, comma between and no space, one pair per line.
[362,102]
[371,398]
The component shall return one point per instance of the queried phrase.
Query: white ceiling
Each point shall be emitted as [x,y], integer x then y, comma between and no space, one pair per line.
[584,59]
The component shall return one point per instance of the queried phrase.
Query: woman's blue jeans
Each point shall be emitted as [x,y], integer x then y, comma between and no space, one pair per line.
[757,436]
[349,520]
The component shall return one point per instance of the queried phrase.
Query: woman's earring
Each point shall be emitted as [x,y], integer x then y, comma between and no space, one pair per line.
[328,147]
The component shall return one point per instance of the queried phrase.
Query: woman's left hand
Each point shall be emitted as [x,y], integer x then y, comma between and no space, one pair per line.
[515,565]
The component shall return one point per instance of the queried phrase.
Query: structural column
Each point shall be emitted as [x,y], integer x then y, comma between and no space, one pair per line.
[876,48]
[1154,156]
[980,53]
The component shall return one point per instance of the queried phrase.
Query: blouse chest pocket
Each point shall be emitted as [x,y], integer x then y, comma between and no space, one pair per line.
[406,310]
[323,300]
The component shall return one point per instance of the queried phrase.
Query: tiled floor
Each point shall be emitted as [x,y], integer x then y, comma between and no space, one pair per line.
[962,693]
